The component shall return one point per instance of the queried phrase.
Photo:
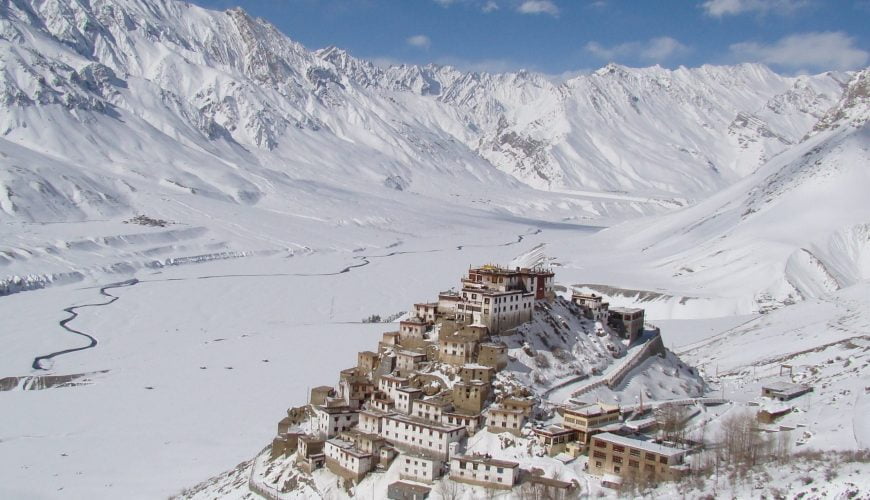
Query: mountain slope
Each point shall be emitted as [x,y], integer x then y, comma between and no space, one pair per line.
[798,228]
[223,89]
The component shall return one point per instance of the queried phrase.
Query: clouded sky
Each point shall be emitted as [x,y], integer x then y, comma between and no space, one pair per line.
[565,36]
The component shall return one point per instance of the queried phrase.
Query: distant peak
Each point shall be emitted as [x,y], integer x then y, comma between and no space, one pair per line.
[610,69]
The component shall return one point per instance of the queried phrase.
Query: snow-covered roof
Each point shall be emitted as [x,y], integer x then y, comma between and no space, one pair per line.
[639,444]
[408,389]
[348,447]
[626,310]
[335,409]
[553,430]
[411,354]
[785,388]
[502,409]
[641,424]
[412,487]
[425,423]
[475,366]
[593,410]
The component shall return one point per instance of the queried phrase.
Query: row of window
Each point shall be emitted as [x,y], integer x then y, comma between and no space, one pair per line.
[621,449]
[485,478]
[488,468]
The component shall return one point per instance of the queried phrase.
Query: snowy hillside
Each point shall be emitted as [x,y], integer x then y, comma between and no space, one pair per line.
[161,96]
[797,228]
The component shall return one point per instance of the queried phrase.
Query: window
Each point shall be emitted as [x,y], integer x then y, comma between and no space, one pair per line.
[618,449]
[598,454]
[633,452]
[650,456]
[617,460]
[633,463]
[600,444]
[597,464]
[663,460]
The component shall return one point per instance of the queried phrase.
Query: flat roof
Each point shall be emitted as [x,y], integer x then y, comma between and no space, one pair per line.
[424,423]
[415,320]
[659,449]
[336,409]
[549,481]
[408,389]
[493,344]
[475,366]
[626,310]
[348,447]
[553,430]
[475,383]
[501,409]
[434,401]
[785,387]
[641,423]
[376,412]
[487,461]
[462,413]
[518,401]
[405,485]
[410,353]
[592,410]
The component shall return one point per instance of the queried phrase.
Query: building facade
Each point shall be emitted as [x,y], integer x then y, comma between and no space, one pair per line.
[501,419]
[346,460]
[589,420]
[484,471]
[420,435]
[625,457]
[417,467]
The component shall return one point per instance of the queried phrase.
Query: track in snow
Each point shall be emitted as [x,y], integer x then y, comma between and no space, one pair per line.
[38,361]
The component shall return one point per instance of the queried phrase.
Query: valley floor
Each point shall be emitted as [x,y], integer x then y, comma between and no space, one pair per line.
[194,363]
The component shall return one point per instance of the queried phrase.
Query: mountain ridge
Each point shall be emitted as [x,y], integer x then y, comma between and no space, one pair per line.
[224,80]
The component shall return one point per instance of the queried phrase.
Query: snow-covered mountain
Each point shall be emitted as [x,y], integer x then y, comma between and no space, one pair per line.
[217,121]
[104,99]
[797,228]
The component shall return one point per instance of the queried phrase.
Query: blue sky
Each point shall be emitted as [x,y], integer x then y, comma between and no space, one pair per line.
[567,36]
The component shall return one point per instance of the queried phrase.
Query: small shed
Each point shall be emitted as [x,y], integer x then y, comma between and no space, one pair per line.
[770,415]
[784,391]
